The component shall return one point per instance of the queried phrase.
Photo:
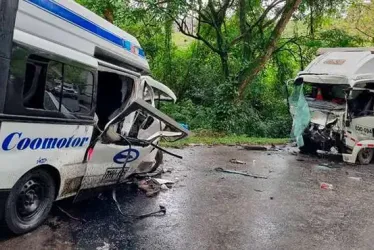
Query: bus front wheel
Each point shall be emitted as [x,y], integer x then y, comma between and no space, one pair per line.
[30,201]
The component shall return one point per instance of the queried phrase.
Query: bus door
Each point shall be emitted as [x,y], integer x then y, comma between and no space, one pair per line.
[114,155]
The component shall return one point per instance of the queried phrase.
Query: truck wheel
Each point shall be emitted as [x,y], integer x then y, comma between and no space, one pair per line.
[365,156]
[159,158]
[29,201]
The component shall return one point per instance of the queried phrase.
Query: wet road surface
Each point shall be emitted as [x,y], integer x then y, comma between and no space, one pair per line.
[207,209]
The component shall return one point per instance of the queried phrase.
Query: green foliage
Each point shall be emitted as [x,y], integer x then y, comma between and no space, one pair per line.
[207,95]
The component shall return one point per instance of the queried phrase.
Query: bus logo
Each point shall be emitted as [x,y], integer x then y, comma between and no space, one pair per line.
[120,158]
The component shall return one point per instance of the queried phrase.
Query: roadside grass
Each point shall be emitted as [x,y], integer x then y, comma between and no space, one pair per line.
[219,139]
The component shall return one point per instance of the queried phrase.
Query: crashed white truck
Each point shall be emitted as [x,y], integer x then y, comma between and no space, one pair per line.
[332,104]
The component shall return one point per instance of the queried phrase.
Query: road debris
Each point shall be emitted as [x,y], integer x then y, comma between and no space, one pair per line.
[157,172]
[240,173]
[273,148]
[164,187]
[161,211]
[271,198]
[167,170]
[70,216]
[327,166]
[163,181]
[250,147]
[235,161]
[258,190]
[105,247]
[320,167]
[326,186]
[355,178]
[150,187]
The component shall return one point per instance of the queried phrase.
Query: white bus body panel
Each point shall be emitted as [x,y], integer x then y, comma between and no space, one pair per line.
[19,155]
[69,24]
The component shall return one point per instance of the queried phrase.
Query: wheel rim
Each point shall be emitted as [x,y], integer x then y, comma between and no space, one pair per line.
[31,200]
[366,153]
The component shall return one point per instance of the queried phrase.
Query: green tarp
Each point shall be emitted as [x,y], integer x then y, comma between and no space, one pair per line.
[301,114]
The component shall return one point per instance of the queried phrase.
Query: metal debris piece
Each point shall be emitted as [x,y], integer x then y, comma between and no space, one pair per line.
[161,211]
[250,147]
[240,173]
[70,216]
[114,196]
[235,161]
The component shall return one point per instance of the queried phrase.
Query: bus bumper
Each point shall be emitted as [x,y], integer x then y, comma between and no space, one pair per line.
[3,197]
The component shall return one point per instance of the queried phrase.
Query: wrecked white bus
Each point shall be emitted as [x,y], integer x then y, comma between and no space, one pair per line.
[333,104]
[76,111]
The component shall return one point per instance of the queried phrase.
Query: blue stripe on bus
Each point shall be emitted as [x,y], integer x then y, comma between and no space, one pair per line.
[70,16]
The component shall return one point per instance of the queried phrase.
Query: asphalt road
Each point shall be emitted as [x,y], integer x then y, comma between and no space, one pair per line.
[207,209]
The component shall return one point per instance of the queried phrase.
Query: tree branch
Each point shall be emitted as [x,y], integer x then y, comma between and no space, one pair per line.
[260,62]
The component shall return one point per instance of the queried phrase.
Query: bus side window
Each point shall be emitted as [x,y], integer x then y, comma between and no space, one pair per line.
[52,96]
[47,84]
[68,89]
[77,89]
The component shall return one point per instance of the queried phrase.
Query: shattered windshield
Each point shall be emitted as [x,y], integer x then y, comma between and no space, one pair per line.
[326,92]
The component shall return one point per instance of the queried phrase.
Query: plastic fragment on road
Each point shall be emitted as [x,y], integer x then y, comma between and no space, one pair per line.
[355,178]
[326,186]
[302,116]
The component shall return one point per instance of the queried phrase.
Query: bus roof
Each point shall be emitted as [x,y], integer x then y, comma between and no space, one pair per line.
[68,24]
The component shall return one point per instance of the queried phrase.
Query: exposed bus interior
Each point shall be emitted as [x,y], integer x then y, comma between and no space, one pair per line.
[113,95]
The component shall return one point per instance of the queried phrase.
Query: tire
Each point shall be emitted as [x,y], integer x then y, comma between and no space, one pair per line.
[159,158]
[365,156]
[29,201]
[309,147]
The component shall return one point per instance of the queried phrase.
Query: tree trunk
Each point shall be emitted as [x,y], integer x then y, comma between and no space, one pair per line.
[168,46]
[225,65]
[260,62]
